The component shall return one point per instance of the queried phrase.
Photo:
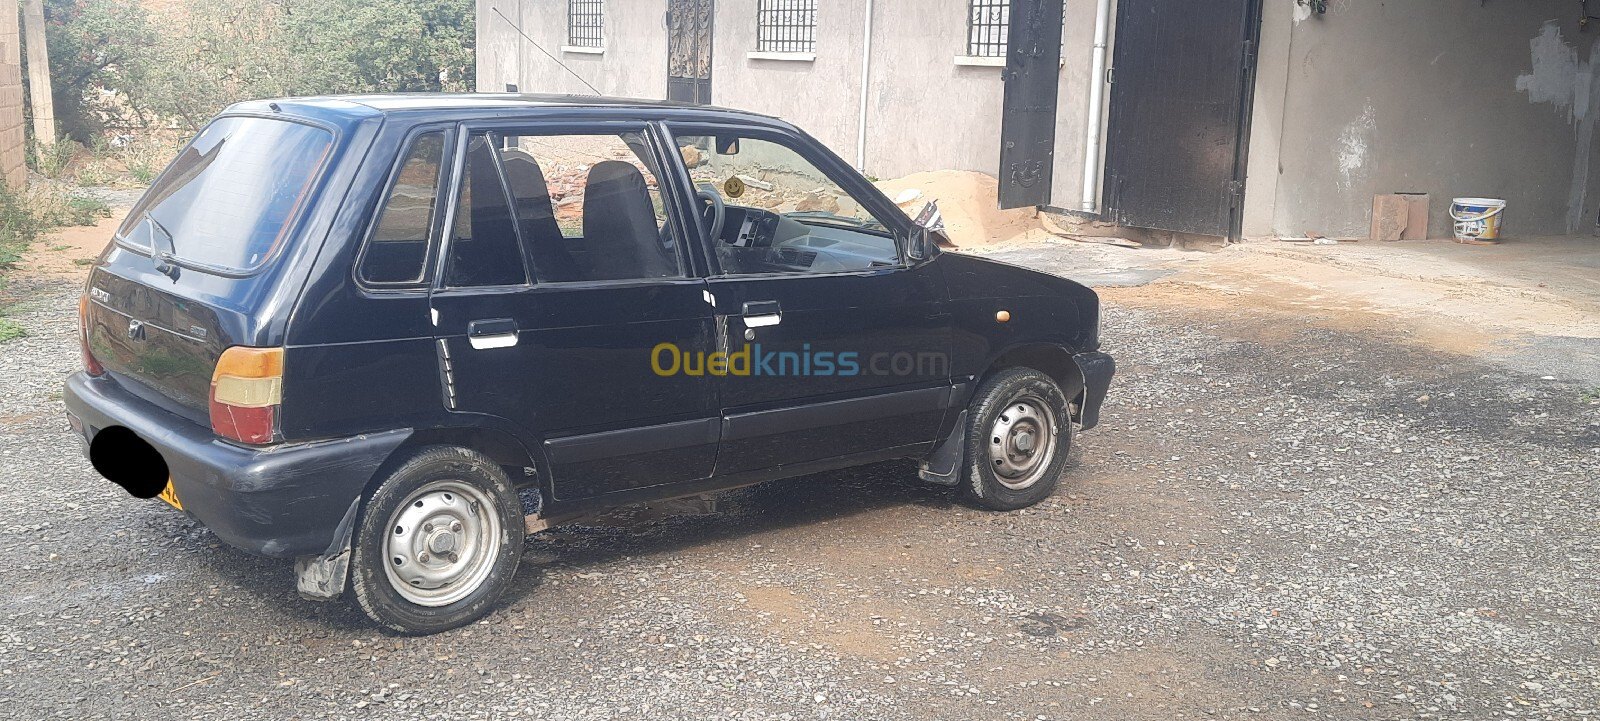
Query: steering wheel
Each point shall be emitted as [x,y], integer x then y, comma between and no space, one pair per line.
[717,213]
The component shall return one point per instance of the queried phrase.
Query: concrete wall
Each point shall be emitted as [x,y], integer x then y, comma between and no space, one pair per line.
[13,170]
[924,111]
[634,63]
[1447,97]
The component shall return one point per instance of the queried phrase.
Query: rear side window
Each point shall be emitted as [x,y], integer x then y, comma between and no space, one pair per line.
[230,198]
[484,247]
[397,252]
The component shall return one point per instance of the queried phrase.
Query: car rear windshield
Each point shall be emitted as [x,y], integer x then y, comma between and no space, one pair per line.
[229,199]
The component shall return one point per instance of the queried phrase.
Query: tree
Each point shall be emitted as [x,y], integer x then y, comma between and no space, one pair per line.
[96,46]
[208,54]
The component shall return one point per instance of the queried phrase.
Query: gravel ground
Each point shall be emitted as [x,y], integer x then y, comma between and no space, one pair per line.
[1273,521]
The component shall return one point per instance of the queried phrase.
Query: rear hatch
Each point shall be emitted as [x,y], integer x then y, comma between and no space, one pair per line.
[199,257]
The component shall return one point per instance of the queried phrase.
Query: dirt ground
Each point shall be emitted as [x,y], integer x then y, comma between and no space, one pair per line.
[1304,501]
[66,251]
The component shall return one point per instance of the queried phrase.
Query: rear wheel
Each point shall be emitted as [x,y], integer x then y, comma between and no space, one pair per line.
[1018,434]
[438,542]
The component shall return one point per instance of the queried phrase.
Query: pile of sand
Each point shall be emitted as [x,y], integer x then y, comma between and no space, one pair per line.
[970,204]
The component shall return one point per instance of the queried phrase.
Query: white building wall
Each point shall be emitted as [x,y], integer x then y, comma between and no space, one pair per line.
[1447,97]
[924,111]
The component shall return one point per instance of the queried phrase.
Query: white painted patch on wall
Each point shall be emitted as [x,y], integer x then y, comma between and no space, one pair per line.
[1351,150]
[1560,79]
[1554,78]
[1302,11]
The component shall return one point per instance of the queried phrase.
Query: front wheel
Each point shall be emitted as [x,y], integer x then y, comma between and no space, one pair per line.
[1018,434]
[438,542]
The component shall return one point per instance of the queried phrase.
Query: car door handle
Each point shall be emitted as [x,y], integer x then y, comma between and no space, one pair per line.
[492,333]
[762,313]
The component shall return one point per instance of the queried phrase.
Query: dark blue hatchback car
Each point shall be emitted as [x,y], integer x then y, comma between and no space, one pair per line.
[388,336]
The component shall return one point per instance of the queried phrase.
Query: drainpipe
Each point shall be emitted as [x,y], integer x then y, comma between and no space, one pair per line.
[1097,87]
[866,75]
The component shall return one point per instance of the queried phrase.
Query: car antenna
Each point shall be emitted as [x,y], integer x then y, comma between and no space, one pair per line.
[546,52]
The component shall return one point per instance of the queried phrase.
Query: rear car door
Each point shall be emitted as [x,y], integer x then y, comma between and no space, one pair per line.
[838,345]
[561,274]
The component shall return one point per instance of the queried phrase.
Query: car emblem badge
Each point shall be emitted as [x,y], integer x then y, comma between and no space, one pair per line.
[136,330]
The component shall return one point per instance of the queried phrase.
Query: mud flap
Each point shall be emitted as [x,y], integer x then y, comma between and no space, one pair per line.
[943,466]
[1097,370]
[324,577]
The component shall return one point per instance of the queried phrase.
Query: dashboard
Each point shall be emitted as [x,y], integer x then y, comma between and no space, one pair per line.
[760,241]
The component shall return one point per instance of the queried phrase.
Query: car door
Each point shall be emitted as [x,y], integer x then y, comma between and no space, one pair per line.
[837,346]
[559,278]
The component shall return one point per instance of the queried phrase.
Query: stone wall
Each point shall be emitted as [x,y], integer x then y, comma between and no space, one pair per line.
[12,154]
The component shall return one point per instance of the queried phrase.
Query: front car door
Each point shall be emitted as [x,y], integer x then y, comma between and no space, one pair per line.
[560,274]
[836,345]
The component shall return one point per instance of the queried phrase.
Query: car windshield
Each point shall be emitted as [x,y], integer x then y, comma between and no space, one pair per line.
[762,174]
[229,198]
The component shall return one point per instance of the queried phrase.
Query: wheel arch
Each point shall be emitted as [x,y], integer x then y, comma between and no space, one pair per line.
[1048,358]
[501,447]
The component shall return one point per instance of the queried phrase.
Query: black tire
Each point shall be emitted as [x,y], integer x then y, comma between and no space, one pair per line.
[437,499]
[1004,409]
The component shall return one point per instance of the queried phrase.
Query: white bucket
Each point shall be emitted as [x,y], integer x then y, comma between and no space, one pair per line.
[1477,218]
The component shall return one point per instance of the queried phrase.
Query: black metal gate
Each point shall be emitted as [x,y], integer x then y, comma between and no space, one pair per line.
[1028,116]
[1183,73]
[689,50]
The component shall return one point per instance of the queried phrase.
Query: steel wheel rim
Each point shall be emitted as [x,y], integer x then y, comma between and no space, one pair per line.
[1022,441]
[441,543]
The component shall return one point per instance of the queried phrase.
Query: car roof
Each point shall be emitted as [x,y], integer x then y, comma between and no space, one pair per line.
[348,108]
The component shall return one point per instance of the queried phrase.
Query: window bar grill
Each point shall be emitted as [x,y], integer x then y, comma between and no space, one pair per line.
[786,26]
[586,23]
[988,24]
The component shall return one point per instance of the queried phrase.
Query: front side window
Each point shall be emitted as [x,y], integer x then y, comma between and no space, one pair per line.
[586,23]
[229,199]
[397,251]
[781,213]
[578,208]
[786,26]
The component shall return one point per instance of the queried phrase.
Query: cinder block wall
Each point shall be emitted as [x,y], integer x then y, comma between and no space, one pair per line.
[13,168]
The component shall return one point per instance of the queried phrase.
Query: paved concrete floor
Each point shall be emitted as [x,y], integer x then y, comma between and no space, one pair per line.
[1529,304]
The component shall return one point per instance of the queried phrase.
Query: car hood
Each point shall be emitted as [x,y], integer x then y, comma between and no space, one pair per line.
[970,277]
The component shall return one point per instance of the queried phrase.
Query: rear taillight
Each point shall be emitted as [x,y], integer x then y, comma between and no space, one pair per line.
[89,363]
[246,390]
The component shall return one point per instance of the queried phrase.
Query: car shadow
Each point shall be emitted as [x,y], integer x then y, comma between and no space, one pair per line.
[653,529]
[638,531]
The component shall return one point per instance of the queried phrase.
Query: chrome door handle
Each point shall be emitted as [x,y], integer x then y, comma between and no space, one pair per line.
[492,333]
[762,313]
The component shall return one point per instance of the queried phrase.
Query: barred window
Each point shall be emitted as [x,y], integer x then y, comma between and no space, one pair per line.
[988,23]
[786,26]
[586,23]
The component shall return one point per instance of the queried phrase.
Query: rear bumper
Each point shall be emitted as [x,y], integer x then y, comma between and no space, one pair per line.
[1097,369]
[280,501]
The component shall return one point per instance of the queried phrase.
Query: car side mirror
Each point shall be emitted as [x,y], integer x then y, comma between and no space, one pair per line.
[927,234]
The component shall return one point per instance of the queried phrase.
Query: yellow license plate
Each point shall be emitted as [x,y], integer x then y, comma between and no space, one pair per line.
[170,495]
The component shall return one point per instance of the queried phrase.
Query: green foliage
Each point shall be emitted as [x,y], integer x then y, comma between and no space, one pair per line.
[18,226]
[113,60]
[96,46]
[11,330]
[51,160]
[26,215]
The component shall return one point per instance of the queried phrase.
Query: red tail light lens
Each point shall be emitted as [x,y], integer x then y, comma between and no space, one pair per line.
[89,363]
[246,390]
